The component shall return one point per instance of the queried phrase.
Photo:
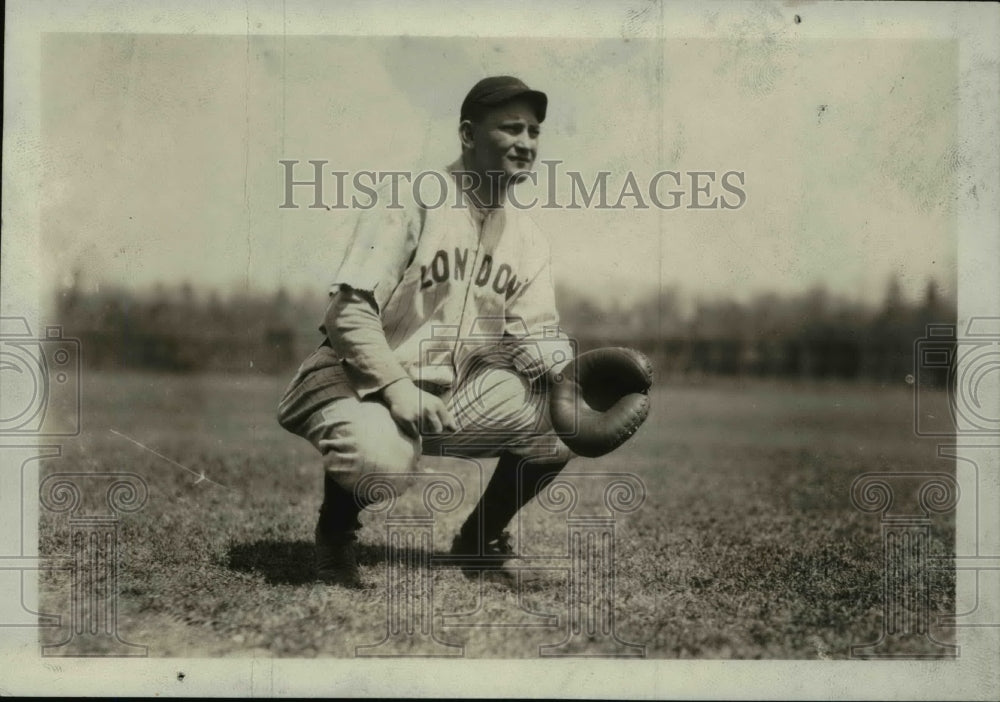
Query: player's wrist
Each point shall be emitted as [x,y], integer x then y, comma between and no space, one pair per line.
[396,389]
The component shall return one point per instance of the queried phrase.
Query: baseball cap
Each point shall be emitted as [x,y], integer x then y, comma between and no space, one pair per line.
[497,90]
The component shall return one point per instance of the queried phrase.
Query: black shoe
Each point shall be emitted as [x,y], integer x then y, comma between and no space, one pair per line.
[336,558]
[472,555]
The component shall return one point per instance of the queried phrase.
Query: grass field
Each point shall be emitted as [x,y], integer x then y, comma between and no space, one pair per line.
[747,545]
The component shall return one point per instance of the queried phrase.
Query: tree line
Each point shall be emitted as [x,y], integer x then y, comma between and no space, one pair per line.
[814,334]
[811,334]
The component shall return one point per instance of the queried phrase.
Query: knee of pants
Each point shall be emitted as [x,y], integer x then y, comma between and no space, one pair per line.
[359,438]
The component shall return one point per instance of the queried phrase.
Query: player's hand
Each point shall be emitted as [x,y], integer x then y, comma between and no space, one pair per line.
[415,411]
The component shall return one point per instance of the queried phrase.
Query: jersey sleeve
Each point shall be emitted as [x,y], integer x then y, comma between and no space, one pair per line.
[355,332]
[382,244]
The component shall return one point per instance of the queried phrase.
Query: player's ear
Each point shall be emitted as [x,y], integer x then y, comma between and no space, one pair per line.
[465,130]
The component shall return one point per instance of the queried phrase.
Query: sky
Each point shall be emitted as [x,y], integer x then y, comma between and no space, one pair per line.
[162,155]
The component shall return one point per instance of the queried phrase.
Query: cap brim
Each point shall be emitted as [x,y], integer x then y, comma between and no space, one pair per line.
[537,98]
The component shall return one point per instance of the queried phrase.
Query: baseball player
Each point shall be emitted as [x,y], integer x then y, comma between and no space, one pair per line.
[441,332]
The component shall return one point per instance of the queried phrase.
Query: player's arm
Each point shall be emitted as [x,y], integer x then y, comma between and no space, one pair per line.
[354,329]
[381,247]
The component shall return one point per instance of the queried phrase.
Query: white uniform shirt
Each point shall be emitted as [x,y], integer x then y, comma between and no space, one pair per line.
[455,285]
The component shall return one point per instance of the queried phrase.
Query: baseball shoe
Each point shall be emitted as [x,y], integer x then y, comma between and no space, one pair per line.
[337,559]
[473,555]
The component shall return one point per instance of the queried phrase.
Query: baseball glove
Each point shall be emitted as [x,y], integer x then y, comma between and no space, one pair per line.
[600,399]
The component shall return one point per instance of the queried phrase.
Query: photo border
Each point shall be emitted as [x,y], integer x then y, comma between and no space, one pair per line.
[974,26]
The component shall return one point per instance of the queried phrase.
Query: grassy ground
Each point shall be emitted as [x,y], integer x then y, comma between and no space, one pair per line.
[747,545]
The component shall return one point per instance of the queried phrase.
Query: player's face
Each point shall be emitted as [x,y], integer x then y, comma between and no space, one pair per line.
[506,140]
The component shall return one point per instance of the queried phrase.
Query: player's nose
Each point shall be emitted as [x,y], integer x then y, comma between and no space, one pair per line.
[526,145]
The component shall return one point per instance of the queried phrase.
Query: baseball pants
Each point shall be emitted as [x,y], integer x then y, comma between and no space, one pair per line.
[495,409]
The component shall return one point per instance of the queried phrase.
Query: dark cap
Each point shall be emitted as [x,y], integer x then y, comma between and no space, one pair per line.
[497,90]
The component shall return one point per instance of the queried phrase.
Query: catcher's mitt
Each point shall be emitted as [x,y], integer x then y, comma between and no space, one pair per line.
[600,399]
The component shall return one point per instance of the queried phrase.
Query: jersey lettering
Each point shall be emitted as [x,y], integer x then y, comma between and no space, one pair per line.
[504,281]
[484,270]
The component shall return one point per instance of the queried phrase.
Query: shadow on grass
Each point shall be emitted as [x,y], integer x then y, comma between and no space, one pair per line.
[291,562]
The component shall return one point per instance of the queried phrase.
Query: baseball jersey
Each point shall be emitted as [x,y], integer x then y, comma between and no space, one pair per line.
[454,286]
